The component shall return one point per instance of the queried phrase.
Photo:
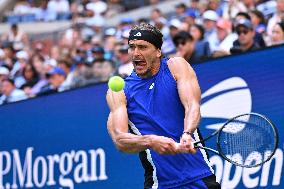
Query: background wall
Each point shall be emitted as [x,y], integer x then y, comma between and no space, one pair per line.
[61,140]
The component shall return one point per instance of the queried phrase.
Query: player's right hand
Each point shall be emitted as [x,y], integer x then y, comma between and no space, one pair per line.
[186,144]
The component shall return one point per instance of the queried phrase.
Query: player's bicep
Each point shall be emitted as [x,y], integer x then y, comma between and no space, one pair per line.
[188,88]
[187,84]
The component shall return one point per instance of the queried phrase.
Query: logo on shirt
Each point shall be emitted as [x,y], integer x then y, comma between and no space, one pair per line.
[138,34]
[152,86]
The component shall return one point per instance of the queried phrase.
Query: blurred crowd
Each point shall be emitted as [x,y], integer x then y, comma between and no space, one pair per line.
[59,10]
[89,52]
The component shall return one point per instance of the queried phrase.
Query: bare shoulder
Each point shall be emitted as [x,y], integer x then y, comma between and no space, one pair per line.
[180,67]
[115,99]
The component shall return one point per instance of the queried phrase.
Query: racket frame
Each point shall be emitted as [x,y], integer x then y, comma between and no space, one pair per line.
[218,132]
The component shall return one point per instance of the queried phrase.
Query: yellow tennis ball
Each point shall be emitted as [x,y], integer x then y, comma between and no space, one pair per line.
[116,83]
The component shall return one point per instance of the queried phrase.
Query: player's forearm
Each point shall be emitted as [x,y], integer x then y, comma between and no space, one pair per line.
[124,141]
[192,117]
[130,143]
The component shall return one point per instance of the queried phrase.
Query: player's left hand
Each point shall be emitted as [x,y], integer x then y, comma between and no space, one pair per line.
[186,144]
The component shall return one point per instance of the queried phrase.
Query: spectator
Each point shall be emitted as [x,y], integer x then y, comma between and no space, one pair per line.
[16,37]
[100,71]
[161,24]
[10,93]
[60,7]
[56,78]
[232,8]
[38,49]
[79,9]
[258,38]
[189,17]
[153,2]
[155,14]
[70,36]
[125,67]
[98,52]
[97,70]
[37,62]
[17,70]
[22,7]
[174,26]
[184,26]
[197,31]
[215,6]
[278,16]
[242,15]
[186,48]
[249,4]
[277,36]
[44,13]
[9,54]
[67,67]
[114,8]
[49,64]
[258,21]
[55,52]
[223,33]
[31,78]
[30,75]
[97,6]
[210,19]
[4,73]
[107,70]
[80,55]
[180,10]
[2,57]
[245,41]
[193,8]
[84,72]
[109,45]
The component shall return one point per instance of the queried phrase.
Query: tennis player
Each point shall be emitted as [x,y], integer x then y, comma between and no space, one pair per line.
[157,114]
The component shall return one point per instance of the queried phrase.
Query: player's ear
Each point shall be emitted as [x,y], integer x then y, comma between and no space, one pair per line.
[159,53]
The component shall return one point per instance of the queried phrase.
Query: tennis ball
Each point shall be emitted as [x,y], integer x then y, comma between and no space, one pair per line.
[116,83]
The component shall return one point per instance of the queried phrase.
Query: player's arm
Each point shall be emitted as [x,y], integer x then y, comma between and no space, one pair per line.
[189,93]
[118,129]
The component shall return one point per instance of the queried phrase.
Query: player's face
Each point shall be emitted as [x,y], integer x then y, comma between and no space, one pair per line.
[145,57]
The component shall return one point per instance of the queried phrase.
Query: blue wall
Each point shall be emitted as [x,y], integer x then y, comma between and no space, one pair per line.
[252,82]
[61,140]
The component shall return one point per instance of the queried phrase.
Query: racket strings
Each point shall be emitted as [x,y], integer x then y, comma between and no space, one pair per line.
[247,140]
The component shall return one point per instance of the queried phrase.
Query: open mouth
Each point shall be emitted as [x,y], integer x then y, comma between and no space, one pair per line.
[139,64]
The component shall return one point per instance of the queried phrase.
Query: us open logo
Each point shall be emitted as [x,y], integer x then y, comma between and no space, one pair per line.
[225,100]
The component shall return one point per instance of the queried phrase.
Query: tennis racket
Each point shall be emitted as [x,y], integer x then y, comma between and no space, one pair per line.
[247,140]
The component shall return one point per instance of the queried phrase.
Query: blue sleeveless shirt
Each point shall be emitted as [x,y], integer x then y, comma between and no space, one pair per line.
[154,107]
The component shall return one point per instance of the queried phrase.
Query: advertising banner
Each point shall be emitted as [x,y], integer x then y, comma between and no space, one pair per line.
[234,85]
[61,141]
